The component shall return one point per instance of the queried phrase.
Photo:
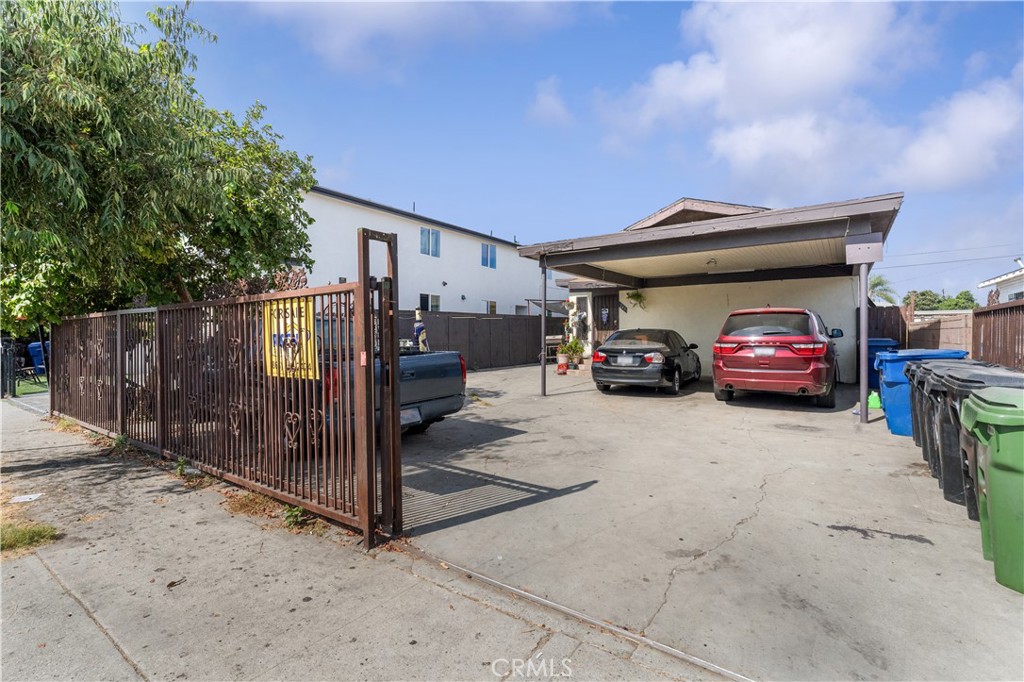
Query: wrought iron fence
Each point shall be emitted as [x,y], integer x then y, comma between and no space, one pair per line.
[281,393]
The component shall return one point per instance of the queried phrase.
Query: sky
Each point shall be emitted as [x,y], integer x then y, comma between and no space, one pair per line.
[542,121]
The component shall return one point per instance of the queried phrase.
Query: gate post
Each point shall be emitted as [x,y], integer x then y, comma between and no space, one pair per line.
[366,469]
[119,376]
[161,385]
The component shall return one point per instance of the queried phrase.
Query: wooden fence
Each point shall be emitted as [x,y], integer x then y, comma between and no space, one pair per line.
[485,341]
[999,334]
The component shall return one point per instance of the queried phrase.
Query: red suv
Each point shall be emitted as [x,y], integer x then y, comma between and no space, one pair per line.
[778,350]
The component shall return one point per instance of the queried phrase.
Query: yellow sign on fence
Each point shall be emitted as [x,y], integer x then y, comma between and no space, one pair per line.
[289,338]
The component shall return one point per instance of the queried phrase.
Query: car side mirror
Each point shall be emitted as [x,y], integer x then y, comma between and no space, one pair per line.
[836,334]
[693,346]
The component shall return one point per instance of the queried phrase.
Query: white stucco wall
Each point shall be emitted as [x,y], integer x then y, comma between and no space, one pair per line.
[333,239]
[697,312]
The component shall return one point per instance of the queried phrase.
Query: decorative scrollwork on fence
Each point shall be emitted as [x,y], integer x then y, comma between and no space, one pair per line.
[316,424]
[234,351]
[235,418]
[292,422]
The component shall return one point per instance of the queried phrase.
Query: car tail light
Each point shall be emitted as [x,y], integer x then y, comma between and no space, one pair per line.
[812,349]
[724,348]
[462,361]
[598,356]
[654,358]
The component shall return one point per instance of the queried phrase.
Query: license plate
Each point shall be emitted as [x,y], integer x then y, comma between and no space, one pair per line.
[764,352]
[409,416]
[624,360]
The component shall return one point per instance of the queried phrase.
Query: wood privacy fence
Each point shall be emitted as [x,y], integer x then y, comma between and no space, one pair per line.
[485,341]
[999,334]
[278,392]
[938,331]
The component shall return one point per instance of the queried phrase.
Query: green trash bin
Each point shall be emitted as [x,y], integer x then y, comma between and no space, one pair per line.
[992,422]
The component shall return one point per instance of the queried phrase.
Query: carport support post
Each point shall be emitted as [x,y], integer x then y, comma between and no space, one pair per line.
[543,328]
[862,349]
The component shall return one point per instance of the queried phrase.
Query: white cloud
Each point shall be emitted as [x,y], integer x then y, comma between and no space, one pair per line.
[386,36]
[783,92]
[548,107]
[785,56]
[965,139]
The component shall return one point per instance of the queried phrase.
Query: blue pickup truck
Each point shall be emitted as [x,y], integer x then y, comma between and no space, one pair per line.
[431,384]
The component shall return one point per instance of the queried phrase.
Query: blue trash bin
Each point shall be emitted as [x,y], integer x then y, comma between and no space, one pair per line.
[876,346]
[35,350]
[895,388]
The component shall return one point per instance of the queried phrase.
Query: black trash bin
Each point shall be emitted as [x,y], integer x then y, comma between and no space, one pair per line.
[959,467]
[922,408]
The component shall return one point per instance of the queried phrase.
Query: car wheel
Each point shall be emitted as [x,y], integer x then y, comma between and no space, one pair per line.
[420,428]
[696,370]
[677,382]
[602,387]
[827,400]
[723,395]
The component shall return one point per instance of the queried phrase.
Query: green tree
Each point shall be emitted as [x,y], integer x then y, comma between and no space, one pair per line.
[962,301]
[926,300]
[117,179]
[880,289]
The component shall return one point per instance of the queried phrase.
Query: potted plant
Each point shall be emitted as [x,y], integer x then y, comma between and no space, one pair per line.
[637,298]
[573,349]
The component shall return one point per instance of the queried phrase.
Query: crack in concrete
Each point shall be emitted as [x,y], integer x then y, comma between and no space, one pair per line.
[732,536]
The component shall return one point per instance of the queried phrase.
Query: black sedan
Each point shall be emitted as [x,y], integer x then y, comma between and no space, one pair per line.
[645,357]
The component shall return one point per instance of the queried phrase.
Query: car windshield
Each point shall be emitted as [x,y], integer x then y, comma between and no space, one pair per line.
[766,324]
[639,337]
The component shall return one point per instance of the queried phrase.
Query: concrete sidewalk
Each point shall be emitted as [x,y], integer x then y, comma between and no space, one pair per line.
[152,579]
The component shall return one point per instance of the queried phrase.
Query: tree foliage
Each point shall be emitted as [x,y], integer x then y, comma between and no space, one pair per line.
[930,300]
[880,290]
[117,179]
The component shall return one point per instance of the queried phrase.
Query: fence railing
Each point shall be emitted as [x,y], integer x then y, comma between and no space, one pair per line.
[278,392]
[998,334]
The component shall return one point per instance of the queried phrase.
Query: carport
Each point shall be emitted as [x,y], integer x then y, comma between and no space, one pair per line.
[815,250]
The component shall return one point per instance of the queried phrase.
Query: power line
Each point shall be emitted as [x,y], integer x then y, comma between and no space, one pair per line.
[940,262]
[971,248]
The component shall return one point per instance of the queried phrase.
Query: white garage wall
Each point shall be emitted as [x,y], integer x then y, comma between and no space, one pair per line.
[334,249]
[697,312]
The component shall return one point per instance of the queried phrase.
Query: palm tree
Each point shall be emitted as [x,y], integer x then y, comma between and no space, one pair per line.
[880,289]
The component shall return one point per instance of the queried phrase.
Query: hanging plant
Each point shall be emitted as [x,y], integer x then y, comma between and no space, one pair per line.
[637,298]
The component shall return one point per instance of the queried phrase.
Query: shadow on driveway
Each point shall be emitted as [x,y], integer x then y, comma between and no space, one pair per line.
[440,495]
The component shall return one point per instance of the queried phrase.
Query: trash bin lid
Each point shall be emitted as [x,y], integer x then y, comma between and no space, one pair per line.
[997,405]
[898,358]
[969,378]
[888,343]
[918,370]
[932,372]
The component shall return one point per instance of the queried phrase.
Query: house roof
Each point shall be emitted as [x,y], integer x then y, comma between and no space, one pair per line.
[791,243]
[687,210]
[359,201]
[1002,278]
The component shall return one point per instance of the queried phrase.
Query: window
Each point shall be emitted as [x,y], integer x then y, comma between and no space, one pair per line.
[430,242]
[1016,296]
[489,256]
[491,307]
[764,324]
[430,302]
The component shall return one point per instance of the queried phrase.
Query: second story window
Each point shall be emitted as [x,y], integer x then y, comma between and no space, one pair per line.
[430,242]
[491,307]
[489,256]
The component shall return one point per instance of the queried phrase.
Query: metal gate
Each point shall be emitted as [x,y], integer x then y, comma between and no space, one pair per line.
[293,394]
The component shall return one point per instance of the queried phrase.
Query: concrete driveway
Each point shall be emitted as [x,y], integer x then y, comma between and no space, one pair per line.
[772,538]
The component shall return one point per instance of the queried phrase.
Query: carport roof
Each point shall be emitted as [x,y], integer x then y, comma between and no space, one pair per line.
[755,245]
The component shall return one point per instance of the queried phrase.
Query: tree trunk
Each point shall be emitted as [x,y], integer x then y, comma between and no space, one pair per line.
[179,286]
